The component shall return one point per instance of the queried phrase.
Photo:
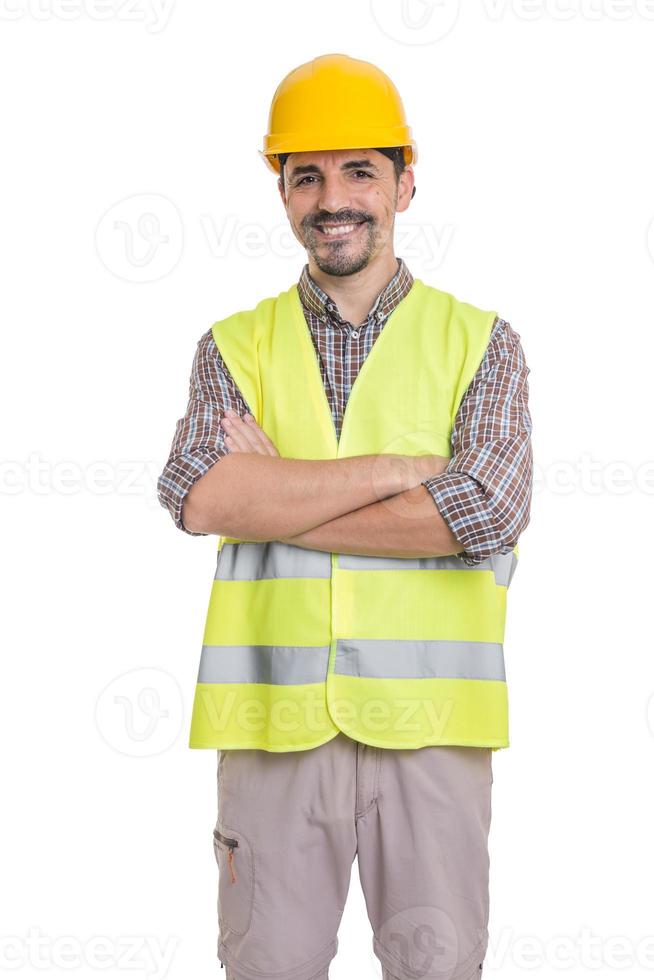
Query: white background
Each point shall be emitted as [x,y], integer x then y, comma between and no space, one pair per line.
[535,198]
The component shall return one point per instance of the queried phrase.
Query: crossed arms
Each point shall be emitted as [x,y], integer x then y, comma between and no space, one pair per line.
[473,505]
[362,505]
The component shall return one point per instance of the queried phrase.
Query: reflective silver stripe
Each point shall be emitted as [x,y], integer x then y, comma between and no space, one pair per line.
[420,658]
[263,665]
[356,658]
[502,566]
[384,562]
[255,560]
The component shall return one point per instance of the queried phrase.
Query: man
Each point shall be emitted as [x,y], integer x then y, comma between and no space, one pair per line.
[375,472]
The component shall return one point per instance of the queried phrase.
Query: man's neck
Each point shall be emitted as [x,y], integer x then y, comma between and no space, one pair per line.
[354,295]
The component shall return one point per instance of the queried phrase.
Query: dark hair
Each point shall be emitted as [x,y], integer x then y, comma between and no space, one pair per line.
[394,153]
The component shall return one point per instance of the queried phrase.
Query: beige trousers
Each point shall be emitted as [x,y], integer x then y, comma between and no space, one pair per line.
[289,826]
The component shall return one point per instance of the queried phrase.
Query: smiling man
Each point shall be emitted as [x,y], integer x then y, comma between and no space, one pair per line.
[342,208]
[360,443]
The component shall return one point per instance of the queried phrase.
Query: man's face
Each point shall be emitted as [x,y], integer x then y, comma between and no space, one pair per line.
[341,205]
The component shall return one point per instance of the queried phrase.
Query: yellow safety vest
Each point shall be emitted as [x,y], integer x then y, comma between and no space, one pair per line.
[301,643]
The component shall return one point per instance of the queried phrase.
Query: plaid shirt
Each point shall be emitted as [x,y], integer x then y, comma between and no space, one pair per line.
[484,495]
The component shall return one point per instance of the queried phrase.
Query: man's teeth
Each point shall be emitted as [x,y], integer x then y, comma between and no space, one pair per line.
[337,229]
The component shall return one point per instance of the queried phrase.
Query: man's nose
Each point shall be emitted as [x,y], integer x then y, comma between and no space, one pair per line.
[334,194]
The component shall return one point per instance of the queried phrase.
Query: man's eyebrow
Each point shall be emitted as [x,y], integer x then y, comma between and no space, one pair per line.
[313,168]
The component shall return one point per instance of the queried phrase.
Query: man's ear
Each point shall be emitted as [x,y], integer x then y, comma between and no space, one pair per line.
[407,177]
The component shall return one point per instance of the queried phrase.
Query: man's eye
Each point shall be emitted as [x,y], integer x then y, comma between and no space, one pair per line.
[312,176]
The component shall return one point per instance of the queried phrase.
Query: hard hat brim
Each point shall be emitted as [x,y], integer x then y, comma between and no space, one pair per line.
[270,155]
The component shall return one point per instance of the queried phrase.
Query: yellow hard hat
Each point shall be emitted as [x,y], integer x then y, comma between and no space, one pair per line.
[336,103]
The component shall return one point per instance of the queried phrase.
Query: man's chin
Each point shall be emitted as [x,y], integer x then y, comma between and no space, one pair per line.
[342,262]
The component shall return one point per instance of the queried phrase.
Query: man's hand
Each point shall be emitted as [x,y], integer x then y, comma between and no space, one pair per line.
[245,436]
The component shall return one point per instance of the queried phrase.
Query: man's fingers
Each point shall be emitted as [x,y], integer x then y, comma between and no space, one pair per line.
[267,443]
[244,435]
[237,437]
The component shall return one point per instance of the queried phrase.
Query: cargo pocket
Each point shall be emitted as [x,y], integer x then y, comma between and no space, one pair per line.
[235,879]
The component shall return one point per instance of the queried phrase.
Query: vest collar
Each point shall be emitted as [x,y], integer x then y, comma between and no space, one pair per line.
[338,446]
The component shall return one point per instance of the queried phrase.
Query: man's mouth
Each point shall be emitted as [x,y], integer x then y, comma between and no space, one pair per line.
[341,230]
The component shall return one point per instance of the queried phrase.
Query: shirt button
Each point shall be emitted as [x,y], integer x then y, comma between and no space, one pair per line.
[355,333]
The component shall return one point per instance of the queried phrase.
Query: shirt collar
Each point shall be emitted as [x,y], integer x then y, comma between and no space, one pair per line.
[316,301]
